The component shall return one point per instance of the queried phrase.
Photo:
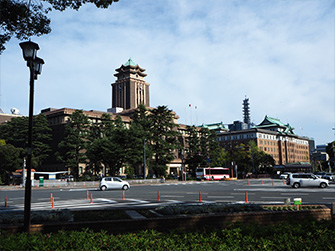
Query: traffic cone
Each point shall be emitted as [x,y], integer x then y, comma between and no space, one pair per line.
[53,203]
[91,198]
[122,194]
[87,195]
[200,196]
[159,196]
[246,197]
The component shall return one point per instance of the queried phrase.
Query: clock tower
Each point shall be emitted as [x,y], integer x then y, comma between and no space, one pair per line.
[130,89]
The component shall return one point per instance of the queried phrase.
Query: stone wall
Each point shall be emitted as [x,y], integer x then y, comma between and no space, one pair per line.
[185,222]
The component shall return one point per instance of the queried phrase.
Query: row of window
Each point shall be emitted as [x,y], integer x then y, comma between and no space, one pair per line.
[237,137]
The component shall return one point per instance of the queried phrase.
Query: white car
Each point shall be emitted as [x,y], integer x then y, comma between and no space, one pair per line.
[113,183]
[297,180]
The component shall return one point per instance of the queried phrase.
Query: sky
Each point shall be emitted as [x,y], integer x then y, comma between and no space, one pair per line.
[208,54]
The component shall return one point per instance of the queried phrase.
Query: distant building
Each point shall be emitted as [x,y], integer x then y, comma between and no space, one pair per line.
[238,126]
[273,137]
[5,117]
[319,154]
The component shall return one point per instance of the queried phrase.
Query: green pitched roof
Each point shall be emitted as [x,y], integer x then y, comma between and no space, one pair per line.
[270,121]
[215,126]
[130,62]
[273,122]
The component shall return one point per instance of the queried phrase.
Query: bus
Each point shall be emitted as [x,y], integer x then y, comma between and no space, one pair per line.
[212,173]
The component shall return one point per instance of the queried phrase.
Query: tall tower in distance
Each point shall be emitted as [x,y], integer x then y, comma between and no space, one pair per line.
[246,111]
[130,89]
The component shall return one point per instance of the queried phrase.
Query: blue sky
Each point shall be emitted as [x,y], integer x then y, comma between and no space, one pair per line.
[210,54]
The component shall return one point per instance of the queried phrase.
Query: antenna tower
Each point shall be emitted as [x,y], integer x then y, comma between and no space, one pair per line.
[246,111]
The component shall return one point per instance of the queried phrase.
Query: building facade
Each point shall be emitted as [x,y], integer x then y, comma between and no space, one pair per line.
[274,138]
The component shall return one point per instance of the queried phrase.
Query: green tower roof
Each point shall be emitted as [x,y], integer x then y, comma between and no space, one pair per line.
[130,62]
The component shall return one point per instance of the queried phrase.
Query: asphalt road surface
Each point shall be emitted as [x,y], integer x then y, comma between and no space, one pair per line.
[256,191]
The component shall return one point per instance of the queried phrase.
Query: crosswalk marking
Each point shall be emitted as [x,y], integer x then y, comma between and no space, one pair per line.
[85,203]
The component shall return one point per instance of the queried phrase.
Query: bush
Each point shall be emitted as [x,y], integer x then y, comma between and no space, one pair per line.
[200,208]
[63,215]
[308,235]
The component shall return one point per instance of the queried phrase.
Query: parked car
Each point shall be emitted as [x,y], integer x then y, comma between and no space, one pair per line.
[113,183]
[328,176]
[320,174]
[297,180]
[284,176]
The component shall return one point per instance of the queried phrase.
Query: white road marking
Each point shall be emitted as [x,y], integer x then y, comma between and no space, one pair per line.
[172,196]
[221,197]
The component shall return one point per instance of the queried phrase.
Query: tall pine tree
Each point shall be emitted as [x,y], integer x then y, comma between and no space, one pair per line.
[164,139]
[73,146]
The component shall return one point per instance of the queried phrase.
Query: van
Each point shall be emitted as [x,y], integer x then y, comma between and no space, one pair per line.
[297,180]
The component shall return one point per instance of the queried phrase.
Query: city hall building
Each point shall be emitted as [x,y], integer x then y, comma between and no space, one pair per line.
[271,136]
[128,92]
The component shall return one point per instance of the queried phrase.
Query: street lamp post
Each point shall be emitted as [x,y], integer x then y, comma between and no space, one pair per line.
[144,160]
[29,50]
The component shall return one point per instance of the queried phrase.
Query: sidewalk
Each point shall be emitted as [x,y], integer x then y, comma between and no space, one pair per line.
[80,184]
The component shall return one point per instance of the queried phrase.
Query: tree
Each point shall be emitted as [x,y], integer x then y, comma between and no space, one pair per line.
[164,139]
[139,136]
[193,158]
[97,132]
[249,158]
[109,145]
[23,19]
[41,139]
[216,155]
[203,149]
[15,133]
[118,147]
[73,147]
[242,157]
[11,159]
[330,149]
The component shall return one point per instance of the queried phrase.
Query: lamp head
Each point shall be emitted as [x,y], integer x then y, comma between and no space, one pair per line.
[37,65]
[29,50]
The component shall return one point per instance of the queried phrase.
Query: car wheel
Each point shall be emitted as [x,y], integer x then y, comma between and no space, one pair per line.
[296,185]
[103,188]
[323,185]
[125,187]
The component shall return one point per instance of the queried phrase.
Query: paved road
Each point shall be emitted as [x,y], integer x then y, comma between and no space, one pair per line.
[155,194]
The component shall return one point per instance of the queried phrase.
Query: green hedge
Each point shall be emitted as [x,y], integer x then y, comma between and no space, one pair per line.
[308,235]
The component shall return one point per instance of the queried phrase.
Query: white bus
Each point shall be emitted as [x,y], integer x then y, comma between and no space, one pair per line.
[212,173]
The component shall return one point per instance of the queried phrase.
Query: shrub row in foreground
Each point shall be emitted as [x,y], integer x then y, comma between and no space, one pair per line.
[308,235]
